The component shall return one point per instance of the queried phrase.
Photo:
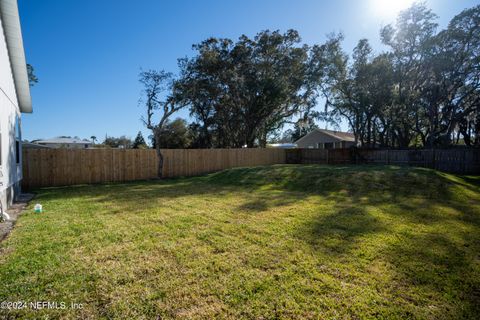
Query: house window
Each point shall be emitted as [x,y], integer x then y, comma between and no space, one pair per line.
[321,145]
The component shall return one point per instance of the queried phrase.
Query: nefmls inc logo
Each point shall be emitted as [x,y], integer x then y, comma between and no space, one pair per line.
[39,305]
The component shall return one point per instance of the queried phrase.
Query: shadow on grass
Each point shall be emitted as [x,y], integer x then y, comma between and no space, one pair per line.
[438,266]
[438,262]
[413,193]
[312,179]
[265,200]
[337,233]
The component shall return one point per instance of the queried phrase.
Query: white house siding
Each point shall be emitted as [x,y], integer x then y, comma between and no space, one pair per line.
[10,172]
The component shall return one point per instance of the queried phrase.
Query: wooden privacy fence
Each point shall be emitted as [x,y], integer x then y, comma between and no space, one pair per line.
[63,167]
[463,161]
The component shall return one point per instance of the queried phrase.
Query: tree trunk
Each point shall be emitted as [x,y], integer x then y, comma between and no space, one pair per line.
[369,132]
[263,140]
[160,163]
[250,142]
[159,156]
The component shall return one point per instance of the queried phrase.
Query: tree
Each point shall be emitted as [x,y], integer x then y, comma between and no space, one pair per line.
[139,142]
[111,142]
[199,136]
[452,90]
[420,92]
[174,135]
[120,142]
[160,95]
[424,90]
[300,129]
[357,91]
[124,142]
[240,92]
[93,139]
[32,78]
[409,41]
[335,83]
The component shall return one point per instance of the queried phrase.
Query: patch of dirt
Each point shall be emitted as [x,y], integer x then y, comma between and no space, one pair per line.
[13,213]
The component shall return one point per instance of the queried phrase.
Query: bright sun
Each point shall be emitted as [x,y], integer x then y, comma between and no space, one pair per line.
[389,8]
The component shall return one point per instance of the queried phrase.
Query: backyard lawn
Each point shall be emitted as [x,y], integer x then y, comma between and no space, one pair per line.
[284,241]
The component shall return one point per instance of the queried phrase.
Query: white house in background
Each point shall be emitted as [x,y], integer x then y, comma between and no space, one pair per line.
[29,145]
[14,99]
[326,139]
[63,142]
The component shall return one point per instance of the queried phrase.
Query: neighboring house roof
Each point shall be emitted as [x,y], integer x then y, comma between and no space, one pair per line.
[13,37]
[344,136]
[29,145]
[60,140]
[340,135]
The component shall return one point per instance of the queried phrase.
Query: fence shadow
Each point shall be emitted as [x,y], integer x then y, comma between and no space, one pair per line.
[428,222]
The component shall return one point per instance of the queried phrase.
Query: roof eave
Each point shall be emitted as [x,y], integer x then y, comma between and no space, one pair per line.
[299,140]
[13,37]
[327,133]
[335,136]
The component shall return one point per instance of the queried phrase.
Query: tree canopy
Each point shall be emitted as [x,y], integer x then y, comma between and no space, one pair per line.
[139,142]
[423,90]
[240,92]
[32,78]
[174,135]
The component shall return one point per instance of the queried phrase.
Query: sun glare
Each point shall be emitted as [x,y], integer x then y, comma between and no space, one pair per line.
[389,8]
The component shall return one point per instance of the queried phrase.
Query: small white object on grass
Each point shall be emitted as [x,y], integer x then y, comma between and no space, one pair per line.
[6,217]
[38,208]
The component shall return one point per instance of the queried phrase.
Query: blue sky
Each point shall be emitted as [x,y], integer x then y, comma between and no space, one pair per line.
[87,54]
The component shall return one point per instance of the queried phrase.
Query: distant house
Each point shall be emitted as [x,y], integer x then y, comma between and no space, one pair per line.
[63,142]
[29,145]
[326,139]
[14,100]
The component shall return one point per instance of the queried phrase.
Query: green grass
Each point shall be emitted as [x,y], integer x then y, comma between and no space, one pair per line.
[284,241]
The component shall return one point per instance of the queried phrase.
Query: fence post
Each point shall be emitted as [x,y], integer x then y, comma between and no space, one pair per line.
[328,157]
